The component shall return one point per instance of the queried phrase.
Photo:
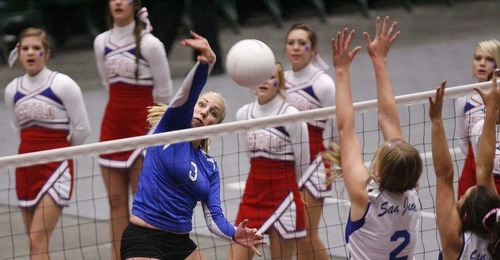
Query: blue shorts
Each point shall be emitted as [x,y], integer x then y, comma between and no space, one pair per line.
[140,241]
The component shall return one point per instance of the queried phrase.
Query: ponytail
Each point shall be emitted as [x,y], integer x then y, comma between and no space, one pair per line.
[332,155]
[138,36]
[155,113]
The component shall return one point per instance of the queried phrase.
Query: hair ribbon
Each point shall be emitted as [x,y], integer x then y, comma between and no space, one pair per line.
[394,142]
[13,56]
[143,17]
[319,63]
[495,211]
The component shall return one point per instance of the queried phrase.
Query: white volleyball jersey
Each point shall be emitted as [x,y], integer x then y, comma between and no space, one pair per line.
[286,143]
[389,229]
[50,100]
[116,61]
[474,247]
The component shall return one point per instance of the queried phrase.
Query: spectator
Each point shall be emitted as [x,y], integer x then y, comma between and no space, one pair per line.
[470,109]
[48,112]
[271,188]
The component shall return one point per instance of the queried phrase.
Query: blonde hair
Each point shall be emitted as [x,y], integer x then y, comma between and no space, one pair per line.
[491,47]
[281,79]
[35,32]
[155,113]
[398,164]
[224,103]
[332,155]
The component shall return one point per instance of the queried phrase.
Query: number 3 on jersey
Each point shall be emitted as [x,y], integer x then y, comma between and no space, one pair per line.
[406,240]
[193,172]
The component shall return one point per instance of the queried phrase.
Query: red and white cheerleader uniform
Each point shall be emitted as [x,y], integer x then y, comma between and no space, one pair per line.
[311,88]
[129,96]
[278,157]
[48,111]
[469,111]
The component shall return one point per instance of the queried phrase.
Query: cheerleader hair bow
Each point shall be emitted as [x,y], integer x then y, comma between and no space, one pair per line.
[495,211]
[13,56]
[319,63]
[143,17]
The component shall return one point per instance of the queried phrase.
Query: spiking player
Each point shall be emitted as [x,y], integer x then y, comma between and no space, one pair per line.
[176,176]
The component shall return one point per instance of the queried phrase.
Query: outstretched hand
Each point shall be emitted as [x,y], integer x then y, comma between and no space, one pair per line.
[491,98]
[384,37]
[436,104]
[341,56]
[248,237]
[201,44]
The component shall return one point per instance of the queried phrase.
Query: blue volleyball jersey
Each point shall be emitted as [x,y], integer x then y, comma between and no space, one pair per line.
[175,177]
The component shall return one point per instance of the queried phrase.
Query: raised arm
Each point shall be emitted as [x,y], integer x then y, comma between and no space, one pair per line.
[487,140]
[180,112]
[378,49]
[353,169]
[448,220]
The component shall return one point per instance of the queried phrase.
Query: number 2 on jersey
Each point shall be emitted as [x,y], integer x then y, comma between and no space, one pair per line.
[406,240]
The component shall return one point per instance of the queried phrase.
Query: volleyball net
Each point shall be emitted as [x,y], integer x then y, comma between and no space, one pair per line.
[83,230]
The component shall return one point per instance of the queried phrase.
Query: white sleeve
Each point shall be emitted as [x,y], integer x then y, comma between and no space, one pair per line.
[461,126]
[212,225]
[99,57]
[153,51]
[475,134]
[71,95]
[330,133]
[299,136]
[241,115]
[324,88]
[9,93]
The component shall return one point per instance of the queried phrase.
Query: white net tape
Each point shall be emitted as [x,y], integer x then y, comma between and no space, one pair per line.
[214,130]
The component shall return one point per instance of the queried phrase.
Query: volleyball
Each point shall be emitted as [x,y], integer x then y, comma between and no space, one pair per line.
[250,63]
